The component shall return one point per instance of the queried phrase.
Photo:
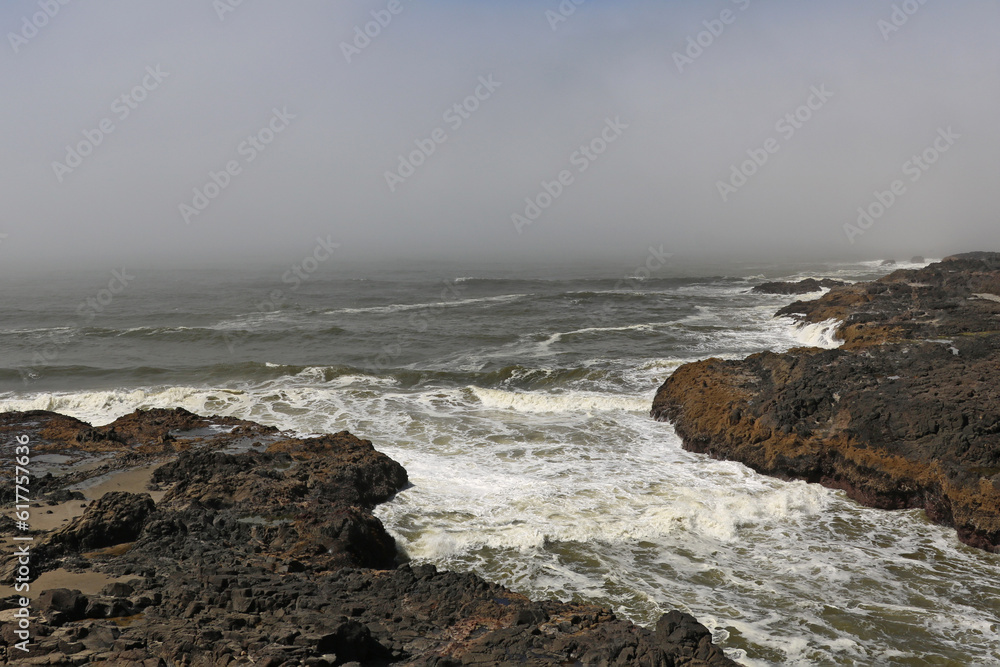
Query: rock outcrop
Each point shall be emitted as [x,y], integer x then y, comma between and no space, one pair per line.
[262,550]
[807,286]
[905,414]
[115,518]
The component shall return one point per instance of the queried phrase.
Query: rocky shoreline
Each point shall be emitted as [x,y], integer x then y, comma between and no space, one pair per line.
[905,414]
[236,544]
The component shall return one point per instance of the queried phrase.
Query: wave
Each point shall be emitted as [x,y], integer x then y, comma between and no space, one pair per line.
[819,334]
[532,378]
[596,375]
[571,401]
[402,307]
[558,337]
[240,327]
[251,320]
[709,513]
[41,330]
[102,407]
[226,374]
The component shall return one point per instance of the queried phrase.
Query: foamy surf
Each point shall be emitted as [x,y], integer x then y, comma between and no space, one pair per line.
[429,306]
[536,465]
[626,517]
[534,402]
[103,407]
[819,334]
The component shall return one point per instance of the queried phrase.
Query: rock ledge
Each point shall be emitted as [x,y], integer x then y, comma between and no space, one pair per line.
[906,414]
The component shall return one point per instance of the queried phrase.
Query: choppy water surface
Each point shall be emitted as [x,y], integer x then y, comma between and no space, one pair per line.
[519,407]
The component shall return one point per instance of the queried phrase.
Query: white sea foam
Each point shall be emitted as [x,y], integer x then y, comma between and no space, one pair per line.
[618,513]
[251,321]
[510,485]
[48,330]
[572,401]
[517,506]
[403,307]
[819,334]
[364,380]
[559,336]
[155,330]
[102,407]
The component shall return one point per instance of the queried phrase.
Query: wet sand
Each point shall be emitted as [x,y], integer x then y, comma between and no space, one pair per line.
[132,481]
[53,517]
[88,583]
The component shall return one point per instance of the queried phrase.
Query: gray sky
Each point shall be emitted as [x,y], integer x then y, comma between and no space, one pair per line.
[676,117]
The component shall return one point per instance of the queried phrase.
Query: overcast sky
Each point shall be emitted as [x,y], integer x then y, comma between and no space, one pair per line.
[671,100]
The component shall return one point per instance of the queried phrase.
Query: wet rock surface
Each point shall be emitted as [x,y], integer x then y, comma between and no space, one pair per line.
[807,286]
[263,550]
[906,414]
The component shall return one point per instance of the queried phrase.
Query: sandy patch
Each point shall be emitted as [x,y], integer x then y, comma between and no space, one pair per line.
[88,583]
[61,514]
[134,480]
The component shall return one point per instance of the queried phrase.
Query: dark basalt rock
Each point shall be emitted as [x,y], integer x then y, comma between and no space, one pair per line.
[71,604]
[807,286]
[115,518]
[906,414]
[264,551]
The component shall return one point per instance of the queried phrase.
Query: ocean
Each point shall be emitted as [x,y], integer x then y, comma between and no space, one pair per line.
[518,400]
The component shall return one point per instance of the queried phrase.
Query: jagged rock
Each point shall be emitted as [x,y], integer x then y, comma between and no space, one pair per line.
[272,556]
[117,589]
[906,414]
[807,286]
[116,518]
